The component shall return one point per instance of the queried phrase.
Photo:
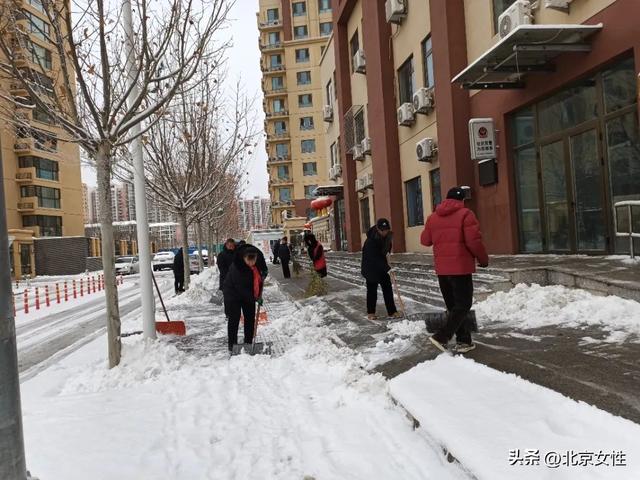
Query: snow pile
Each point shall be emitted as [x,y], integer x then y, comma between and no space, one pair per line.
[489,420]
[398,341]
[533,306]
[200,290]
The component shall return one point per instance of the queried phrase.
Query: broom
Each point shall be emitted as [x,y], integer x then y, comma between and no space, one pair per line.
[177,327]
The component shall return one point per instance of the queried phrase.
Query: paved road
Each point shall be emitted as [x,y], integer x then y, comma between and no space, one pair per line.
[50,338]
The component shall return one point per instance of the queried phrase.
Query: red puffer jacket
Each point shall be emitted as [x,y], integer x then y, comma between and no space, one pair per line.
[454,232]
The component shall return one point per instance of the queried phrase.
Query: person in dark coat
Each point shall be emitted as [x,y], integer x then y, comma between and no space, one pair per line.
[261,263]
[242,289]
[225,259]
[316,254]
[284,254]
[375,268]
[274,251]
[178,272]
[454,233]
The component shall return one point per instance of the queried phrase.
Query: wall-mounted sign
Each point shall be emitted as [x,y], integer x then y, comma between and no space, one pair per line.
[482,135]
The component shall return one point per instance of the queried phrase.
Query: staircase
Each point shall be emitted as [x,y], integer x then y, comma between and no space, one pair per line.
[416,281]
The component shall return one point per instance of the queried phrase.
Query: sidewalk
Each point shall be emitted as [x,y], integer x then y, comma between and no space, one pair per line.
[598,372]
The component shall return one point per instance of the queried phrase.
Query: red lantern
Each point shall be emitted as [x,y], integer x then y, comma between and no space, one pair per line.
[321,203]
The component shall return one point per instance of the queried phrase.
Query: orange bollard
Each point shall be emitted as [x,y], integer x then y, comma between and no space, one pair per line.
[82,287]
[93,284]
[99,283]
[47,301]
[26,301]
[66,292]
[57,293]
[75,290]
[102,280]
[37,298]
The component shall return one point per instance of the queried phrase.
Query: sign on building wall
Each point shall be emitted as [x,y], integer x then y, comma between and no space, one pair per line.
[482,135]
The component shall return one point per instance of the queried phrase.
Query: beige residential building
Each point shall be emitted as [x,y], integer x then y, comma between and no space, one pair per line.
[41,174]
[293,36]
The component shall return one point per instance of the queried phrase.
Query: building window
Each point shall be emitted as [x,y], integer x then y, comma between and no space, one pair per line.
[304,78]
[436,194]
[283,172]
[275,60]
[282,150]
[427,60]
[277,83]
[329,92]
[39,115]
[300,32]
[306,123]
[308,146]
[406,82]
[280,127]
[40,56]
[274,39]
[499,6]
[273,15]
[37,4]
[278,105]
[326,28]
[47,197]
[299,8]
[358,121]
[38,27]
[302,55]
[45,169]
[365,215]
[324,6]
[305,100]
[309,191]
[354,45]
[415,211]
[310,169]
[335,160]
[284,194]
[49,226]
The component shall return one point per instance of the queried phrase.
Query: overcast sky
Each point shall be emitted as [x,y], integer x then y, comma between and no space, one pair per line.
[243,63]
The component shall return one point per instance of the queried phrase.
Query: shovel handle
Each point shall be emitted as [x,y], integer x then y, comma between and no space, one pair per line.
[395,285]
[160,297]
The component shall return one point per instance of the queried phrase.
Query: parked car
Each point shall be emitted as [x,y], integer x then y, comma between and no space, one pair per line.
[127,265]
[194,263]
[163,260]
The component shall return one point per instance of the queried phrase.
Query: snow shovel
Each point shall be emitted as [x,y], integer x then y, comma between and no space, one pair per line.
[255,348]
[395,287]
[177,327]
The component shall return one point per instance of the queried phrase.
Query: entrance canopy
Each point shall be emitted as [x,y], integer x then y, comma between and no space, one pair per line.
[527,49]
[328,190]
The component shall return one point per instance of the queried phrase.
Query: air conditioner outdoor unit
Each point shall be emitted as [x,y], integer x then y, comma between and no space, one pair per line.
[327,113]
[562,5]
[406,114]
[334,172]
[357,152]
[359,62]
[368,180]
[423,101]
[425,150]
[396,10]
[517,14]
[338,168]
[366,146]
[359,184]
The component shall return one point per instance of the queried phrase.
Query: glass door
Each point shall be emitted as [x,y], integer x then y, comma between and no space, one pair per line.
[554,193]
[588,186]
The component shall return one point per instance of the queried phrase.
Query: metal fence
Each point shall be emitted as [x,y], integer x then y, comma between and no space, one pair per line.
[625,224]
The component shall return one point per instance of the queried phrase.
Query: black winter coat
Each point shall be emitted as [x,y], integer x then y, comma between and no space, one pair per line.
[238,284]
[284,252]
[178,263]
[224,261]
[261,263]
[374,256]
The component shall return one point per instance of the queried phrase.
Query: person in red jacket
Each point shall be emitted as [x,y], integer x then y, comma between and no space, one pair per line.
[454,233]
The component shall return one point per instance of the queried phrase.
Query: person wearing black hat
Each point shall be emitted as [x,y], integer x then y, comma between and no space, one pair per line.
[454,233]
[375,268]
[225,259]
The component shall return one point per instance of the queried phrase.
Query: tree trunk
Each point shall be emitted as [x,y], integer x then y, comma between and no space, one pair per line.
[185,249]
[210,249]
[103,166]
[199,245]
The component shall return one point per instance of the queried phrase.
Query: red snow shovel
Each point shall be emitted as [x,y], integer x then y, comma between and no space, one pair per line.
[177,327]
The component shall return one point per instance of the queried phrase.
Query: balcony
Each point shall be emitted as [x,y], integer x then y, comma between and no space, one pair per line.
[275,92]
[278,136]
[271,69]
[17,90]
[279,160]
[27,205]
[270,25]
[271,47]
[23,145]
[25,175]
[281,181]
[278,114]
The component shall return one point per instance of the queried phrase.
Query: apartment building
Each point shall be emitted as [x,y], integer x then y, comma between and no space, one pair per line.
[532,105]
[43,187]
[254,213]
[293,36]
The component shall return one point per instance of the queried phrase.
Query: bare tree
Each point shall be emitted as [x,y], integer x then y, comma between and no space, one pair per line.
[82,84]
[194,152]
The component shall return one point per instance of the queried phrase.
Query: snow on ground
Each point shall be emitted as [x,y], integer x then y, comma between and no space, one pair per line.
[399,340]
[526,307]
[312,412]
[502,427]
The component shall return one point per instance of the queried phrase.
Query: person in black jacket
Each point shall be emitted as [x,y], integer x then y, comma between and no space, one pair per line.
[178,272]
[375,268]
[225,259]
[274,250]
[242,289]
[261,263]
[316,254]
[284,254]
